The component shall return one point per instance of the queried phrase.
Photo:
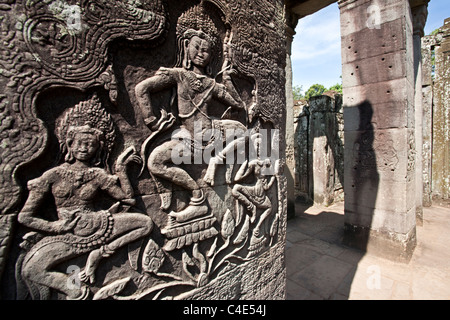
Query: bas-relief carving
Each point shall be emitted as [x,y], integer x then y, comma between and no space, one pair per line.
[196,221]
[86,136]
[375,151]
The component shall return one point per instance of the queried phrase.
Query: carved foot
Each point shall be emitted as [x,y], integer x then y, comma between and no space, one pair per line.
[88,274]
[210,172]
[192,211]
[84,294]
[252,209]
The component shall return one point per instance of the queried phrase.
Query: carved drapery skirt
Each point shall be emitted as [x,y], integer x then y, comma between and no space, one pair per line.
[91,231]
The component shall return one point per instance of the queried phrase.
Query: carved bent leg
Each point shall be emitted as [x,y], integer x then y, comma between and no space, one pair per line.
[235,128]
[242,194]
[267,205]
[39,264]
[219,158]
[128,227]
[160,164]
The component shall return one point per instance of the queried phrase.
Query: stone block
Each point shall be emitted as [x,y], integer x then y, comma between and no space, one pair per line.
[380,219]
[380,152]
[397,90]
[390,245]
[385,116]
[369,43]
[322,103]
[385,196]
[360,15]
[376,69]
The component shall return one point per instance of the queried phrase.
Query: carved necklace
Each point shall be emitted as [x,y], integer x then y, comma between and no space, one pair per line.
[197,83]
[78,177]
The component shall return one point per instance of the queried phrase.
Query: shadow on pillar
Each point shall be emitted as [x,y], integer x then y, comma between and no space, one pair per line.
[361,189]
[291,197]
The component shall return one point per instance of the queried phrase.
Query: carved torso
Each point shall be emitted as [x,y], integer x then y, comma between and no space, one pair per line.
[73,187]
[194,95]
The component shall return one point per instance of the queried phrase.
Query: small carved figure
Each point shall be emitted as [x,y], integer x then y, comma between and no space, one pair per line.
[87,135]
[196,89]
[254,196]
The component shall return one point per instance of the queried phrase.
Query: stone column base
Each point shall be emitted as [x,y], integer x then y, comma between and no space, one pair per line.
[392,246]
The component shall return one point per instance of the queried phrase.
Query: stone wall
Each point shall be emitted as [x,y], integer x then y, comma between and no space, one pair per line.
[319,128]
[436,101]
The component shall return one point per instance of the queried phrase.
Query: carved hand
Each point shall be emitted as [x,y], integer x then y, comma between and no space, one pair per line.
[228,73]
[65,225]
[154,123]
[150,121]
[126,157]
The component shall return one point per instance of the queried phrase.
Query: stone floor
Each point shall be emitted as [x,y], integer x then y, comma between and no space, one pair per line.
[320,267]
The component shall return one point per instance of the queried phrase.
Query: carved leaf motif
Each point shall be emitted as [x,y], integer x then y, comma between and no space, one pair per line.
[111,289]
[152,258]
[212,250]
[228,224]
[187,260]
[244,231]
[274,227]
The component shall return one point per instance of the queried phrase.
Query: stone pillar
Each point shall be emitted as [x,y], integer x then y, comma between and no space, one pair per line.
[322,160]
[291,22]
[441,116]
[428,43]
[378,89]
[302,167]
[325,148]
[419,14]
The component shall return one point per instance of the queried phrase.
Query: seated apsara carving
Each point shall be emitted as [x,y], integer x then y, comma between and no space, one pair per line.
[86,135]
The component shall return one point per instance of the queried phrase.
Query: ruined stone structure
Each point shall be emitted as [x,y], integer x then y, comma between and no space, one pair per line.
[436,115]
[319,149]
[140,154]
[382,104]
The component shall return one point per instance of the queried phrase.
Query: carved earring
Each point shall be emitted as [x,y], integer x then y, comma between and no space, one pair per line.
[69,157]
[98,155]
[187,64]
